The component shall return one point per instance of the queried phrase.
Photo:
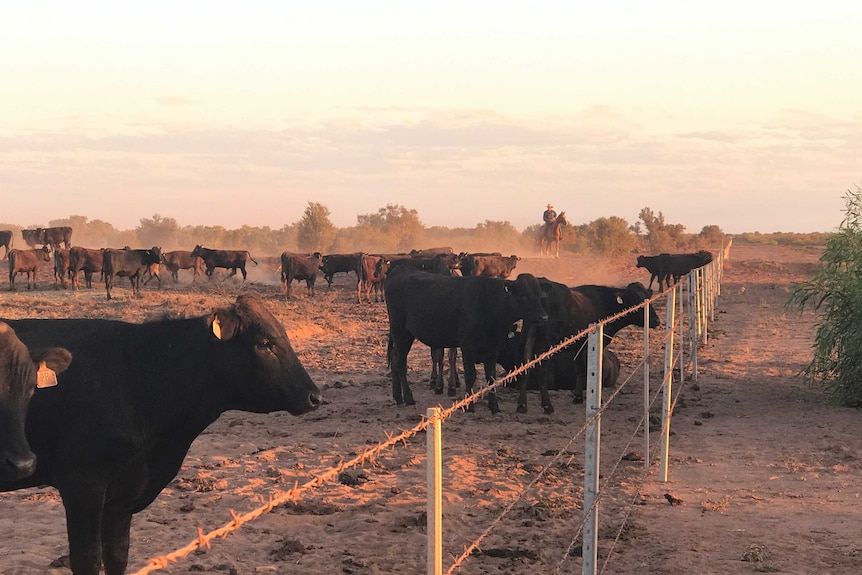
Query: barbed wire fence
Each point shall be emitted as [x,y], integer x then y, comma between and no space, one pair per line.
[702,288]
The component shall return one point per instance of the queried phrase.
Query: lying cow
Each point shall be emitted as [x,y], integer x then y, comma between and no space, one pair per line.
[473,313]
[21,372]
[116,429]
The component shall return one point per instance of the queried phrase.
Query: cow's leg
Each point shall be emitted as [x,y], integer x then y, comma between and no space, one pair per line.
[490,378]
[468,359]
[84,504]
[115,542]
[453,371]
[400,387]
[244,274]
[108,284]
[436,381]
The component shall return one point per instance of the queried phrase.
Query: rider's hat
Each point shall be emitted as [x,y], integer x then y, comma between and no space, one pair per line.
[550,206]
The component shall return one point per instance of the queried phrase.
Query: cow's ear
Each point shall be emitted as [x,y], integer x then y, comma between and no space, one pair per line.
[51,362]
[224,324]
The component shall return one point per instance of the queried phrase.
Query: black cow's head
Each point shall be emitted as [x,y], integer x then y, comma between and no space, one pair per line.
[262,371]
[21,371]
[528,297]
[635,294]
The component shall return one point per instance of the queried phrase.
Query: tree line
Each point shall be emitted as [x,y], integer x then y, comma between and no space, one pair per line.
[395,228]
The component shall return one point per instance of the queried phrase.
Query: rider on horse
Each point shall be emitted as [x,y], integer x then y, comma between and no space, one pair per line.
[550,216]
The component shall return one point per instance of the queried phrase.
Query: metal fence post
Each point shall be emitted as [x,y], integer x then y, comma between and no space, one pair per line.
[592,451]
[434,511]
[668,382]
[646,386]
[692,326]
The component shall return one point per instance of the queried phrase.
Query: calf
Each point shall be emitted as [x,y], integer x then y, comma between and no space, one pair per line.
[21,372]
[128,263]
[332,264]
[182,260]
[116,429]
[228,259]
[26,262]
[372,273]
[61,266]
[299,267]
[473,313]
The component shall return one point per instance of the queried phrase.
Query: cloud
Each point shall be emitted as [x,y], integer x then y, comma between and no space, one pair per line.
[456,167]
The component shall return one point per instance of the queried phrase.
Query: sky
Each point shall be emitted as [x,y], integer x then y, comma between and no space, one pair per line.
[746,115]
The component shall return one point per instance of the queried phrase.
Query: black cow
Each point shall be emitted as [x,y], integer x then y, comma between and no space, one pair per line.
[672,266]
[21,372]
[473,313]
[299,267]
[571,310]
[332,264]
[26,262]
[182,260]
[115,430]
[128,263]
[6,241]
[655,265]
[228,259]
[84,260]
[491,265]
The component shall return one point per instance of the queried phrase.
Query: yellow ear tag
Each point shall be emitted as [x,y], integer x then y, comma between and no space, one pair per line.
[45,377]
[217,328]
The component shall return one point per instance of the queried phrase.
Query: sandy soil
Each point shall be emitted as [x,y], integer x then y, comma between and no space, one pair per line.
[764,471]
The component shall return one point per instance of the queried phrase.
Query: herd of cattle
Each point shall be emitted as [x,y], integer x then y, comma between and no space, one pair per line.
[120,404]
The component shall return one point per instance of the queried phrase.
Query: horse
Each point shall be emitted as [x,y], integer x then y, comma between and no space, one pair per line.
[549,241]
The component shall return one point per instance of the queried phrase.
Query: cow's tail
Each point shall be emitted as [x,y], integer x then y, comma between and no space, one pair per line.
[251,258]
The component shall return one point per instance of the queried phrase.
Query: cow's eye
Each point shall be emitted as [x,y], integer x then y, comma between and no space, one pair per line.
[267,345]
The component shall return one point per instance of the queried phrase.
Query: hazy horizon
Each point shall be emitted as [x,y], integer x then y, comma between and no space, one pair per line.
[745,115]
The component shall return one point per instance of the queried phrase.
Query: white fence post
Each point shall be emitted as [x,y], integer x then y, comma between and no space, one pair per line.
[592,451]
[692,325]
[646,387]
[434,510]
[668,382]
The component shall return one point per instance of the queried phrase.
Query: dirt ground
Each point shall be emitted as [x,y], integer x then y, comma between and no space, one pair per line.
[763,470]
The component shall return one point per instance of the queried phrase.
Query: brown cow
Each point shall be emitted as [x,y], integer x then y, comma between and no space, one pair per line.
[299,267]
[372,273]
[61,266]
[182,260]
[227,259]
[87,260]
[55,236]
[26,261]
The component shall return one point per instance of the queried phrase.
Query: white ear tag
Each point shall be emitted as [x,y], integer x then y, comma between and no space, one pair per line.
[45,377]
[620,299]
[217,328]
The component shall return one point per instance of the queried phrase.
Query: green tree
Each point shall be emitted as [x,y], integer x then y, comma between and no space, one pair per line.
[314,231]
[612,236]
[661,236]
[158,231]
[835,292]
[400,224]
